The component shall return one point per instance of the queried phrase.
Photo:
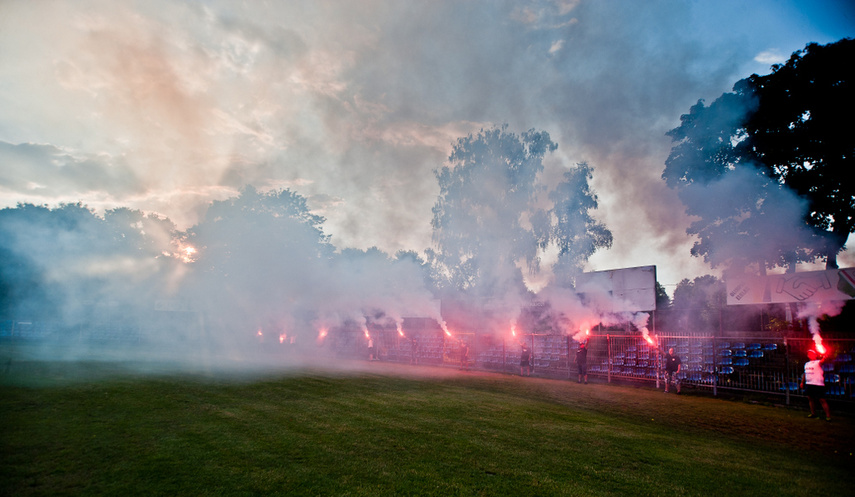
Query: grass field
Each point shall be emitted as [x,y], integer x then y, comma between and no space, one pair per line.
[96,429]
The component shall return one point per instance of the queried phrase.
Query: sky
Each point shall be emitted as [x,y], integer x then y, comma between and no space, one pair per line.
[164,106]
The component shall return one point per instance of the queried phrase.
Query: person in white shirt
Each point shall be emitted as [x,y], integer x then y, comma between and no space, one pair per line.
[813,383]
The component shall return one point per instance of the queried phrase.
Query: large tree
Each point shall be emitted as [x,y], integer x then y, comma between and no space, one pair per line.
[495,212]
[261,255]
[740,162]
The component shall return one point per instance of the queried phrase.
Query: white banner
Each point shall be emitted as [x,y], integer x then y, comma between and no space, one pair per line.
[630,289]
[809,286]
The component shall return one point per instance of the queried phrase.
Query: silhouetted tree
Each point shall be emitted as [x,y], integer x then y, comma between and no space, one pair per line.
[697,304]
[663,301]
[575,232]
[785,132]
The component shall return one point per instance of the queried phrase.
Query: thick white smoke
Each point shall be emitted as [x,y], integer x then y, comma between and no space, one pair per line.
[813,312]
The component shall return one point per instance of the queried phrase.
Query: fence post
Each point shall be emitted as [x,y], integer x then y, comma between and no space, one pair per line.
[786,371]
[531,356]
[609,355]
[569,370]
[656,342]
[714,367]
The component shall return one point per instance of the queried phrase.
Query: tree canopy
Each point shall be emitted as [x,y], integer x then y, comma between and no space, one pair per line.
[258,256]
[493,211]
[764,168]
[59,263]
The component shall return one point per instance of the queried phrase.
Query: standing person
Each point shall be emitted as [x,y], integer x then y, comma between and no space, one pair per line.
[525,361]
[414,351]
[464,356]
[582,361]
[672,368]
[814,379]
[370,349]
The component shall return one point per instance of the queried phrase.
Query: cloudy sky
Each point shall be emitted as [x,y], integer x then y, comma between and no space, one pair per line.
[164,105]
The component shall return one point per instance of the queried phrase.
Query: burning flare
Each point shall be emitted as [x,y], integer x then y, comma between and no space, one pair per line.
[813,324]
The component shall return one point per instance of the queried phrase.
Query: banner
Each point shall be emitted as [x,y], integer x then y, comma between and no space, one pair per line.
[809,286]
[629,289]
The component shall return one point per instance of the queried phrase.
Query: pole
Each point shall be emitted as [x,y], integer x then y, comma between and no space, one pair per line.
[658,372]
[715,356]
[569,368]
[609,352]
[786,371]
[531,357]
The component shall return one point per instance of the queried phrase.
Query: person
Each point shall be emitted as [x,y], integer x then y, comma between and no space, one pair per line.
[370,349]
[525,361]
[582,361]
[464,356]
[672,368]
[813,383]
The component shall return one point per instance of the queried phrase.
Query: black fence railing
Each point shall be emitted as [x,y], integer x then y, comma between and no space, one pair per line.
[748,362]
[755,363]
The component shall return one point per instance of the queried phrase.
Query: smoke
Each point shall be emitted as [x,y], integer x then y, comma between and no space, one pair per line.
[256,282]
[813,312]
[166,107]
[750,217]
[578,314]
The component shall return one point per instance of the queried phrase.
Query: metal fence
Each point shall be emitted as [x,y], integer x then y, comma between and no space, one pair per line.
[754,363]
[763,364]
[737,362]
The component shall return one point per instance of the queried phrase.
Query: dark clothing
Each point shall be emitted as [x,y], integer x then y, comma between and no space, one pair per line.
[672,363]
[525,357]
[582,360]
[815,392]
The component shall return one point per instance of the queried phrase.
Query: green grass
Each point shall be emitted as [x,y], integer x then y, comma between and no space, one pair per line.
[93,429]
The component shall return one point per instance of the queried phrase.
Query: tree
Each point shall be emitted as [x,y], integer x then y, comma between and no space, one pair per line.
[774,149]
[137,233]
[663,301]
[260,256]
[69,263]
[575,232]
[698,303]
[491,215]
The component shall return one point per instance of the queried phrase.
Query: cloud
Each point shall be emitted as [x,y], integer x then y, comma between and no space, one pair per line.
[770,57]
[52,172]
